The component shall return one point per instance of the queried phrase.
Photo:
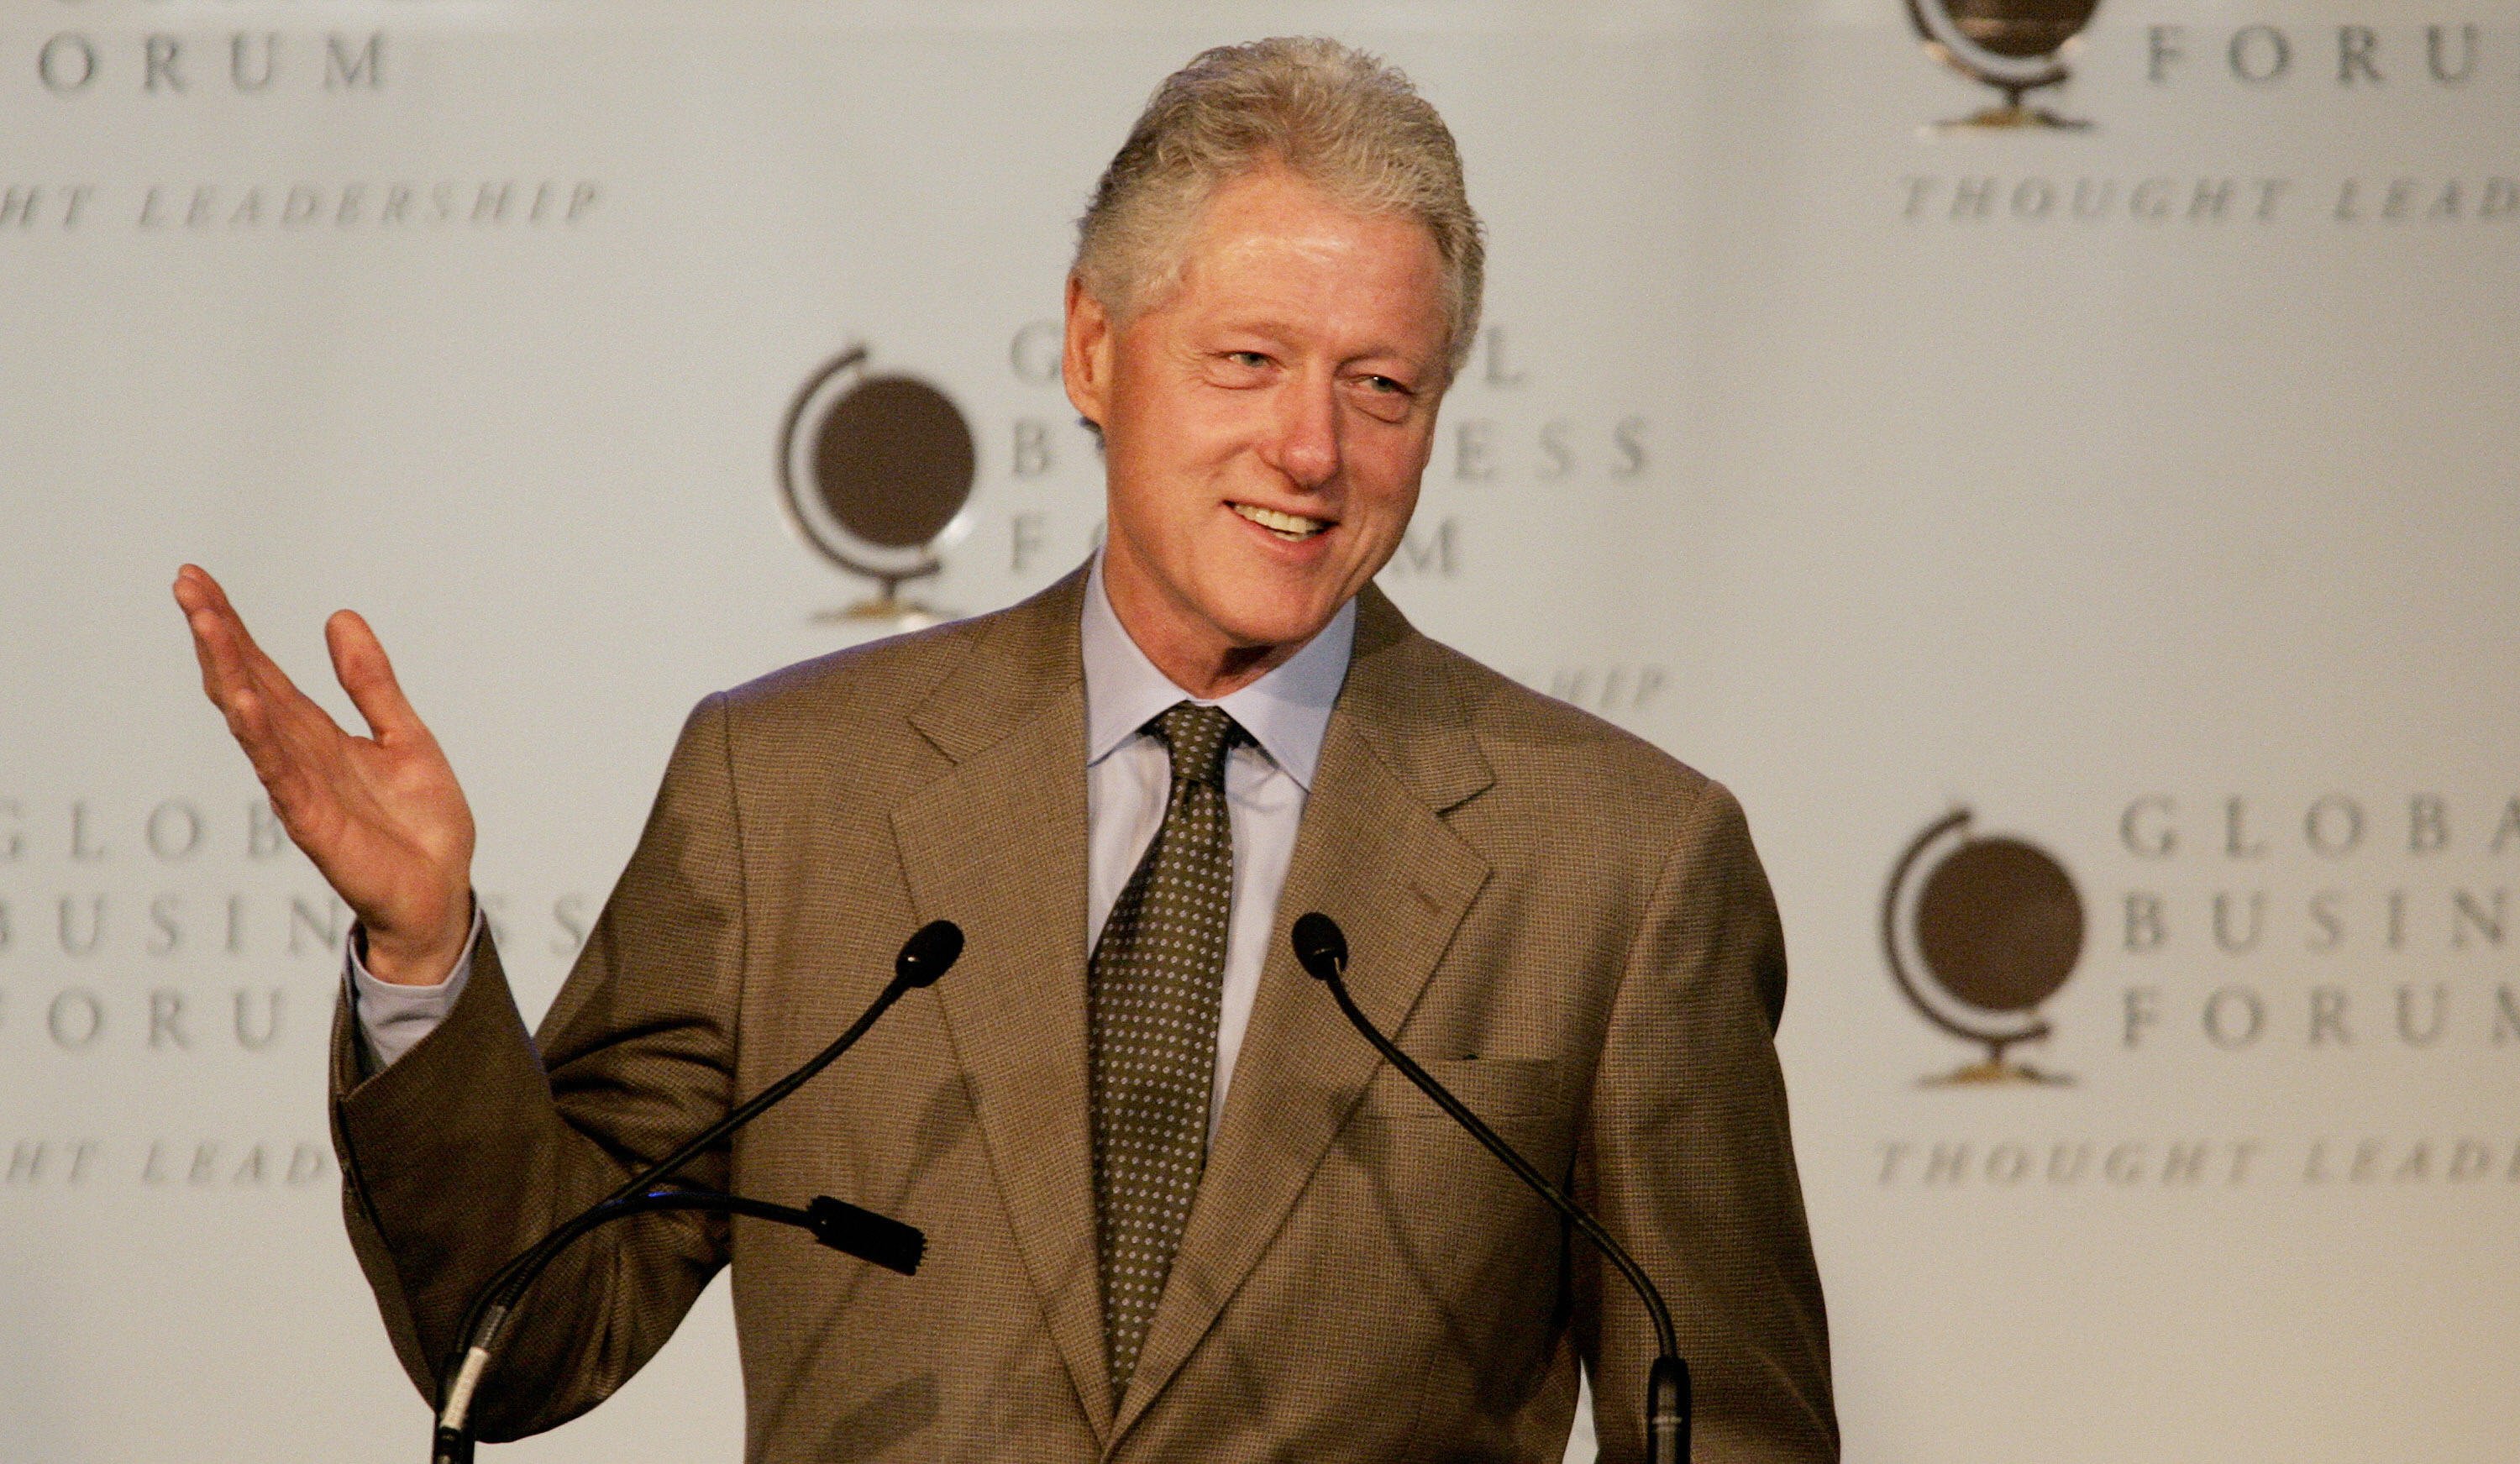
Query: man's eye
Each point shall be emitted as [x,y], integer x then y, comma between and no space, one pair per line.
[1386,385]
[1251,359]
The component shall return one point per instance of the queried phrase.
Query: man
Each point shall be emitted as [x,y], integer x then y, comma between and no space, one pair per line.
[1176,1208]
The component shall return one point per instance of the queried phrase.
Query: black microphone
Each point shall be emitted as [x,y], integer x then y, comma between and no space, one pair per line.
[929,953]
[1321,948]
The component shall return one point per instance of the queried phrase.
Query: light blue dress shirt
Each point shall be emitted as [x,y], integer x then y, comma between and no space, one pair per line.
[1128,779]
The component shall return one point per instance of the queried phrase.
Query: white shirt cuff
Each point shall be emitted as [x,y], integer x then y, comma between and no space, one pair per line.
[393,1018]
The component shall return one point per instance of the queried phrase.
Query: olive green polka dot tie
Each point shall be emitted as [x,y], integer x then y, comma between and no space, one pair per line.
[1155,985]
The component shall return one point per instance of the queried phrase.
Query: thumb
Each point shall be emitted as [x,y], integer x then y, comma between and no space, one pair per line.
[359,662]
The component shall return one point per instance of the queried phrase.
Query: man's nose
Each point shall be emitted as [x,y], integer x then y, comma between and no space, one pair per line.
[1307,449]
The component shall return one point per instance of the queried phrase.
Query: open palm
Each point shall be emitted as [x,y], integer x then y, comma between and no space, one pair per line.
[381,815]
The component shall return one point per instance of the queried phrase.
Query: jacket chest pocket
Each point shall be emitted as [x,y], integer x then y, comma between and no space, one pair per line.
[1410,1146]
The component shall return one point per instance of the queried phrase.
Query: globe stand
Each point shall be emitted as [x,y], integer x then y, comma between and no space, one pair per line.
[2012,115]
[887,608]
[1995,1071]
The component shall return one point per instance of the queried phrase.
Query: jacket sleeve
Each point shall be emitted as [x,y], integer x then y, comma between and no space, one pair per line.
[1686,1157]
[477,1140]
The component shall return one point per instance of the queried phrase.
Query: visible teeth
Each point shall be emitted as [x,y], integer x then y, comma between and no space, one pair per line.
[1288,526]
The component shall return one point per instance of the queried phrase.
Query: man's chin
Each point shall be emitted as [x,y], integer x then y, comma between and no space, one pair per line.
[1265,626]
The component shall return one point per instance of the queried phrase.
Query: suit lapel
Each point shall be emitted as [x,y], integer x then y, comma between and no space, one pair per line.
[998,845]
[1375,856]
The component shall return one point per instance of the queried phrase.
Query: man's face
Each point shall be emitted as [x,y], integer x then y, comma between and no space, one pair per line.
[1266,423]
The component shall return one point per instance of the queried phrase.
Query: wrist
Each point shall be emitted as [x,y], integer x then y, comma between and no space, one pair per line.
[399,958]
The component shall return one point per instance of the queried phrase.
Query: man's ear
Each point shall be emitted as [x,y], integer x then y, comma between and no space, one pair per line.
[1085,361]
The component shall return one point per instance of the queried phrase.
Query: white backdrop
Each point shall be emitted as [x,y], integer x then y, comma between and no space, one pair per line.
[2147,489]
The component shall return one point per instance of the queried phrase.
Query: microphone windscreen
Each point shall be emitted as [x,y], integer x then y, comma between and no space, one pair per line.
[867,1236]
[1321,948]
[929,953]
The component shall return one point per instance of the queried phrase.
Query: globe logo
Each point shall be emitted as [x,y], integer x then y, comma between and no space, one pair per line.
[2011,45]
[1978,932]
[875,474]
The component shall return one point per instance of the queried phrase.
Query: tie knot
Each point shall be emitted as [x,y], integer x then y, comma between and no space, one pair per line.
[1198,737]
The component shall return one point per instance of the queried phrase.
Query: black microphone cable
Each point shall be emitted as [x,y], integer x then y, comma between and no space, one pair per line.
[1321,948]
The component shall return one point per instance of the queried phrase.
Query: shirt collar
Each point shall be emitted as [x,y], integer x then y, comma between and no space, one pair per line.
[1288,711]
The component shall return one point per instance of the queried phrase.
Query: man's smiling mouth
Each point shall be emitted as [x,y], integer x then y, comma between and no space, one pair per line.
[1291,527]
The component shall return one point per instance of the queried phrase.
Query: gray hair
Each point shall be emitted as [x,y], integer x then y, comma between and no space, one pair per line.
[1334,117]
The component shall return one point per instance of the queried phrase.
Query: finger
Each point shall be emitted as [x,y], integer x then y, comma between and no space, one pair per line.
[359,660]
[197,588]
[232,663]
[230,658]
[196,594]
[218,646]
[257,664]
[276,723]
[297,752]
[192,587]
[249,722]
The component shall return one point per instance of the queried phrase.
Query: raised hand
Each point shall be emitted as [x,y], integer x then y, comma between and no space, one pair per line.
[380,815]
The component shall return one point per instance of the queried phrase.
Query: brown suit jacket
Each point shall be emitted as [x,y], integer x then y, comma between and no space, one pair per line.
[1564,923]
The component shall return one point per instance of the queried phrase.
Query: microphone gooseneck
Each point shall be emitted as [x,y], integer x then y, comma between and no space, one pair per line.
[928,954]
[1321,948]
